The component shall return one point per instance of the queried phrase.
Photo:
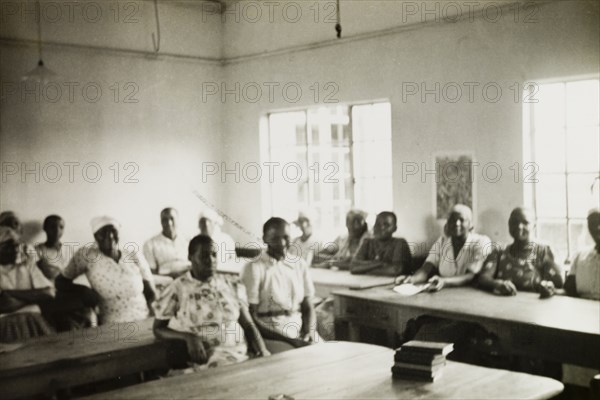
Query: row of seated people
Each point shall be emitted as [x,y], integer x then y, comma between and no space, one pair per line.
[274,299]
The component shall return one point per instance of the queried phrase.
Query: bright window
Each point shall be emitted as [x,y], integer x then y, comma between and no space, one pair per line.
[563,143]
[345,159]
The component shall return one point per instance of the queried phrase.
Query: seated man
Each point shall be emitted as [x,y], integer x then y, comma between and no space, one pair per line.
[210,225]
[65,312]
[208,311]
[22,288]
[166,252]
[383,254]
[280,291]
[584,276]
[52,255]
[522,265]
[340,253]
[305,245]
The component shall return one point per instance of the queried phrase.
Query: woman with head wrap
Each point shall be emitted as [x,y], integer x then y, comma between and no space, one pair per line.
[121,280]
[22,288]
[457,256]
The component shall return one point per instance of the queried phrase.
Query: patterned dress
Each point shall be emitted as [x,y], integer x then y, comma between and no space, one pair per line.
[119,284]
[525,268]
[210,310]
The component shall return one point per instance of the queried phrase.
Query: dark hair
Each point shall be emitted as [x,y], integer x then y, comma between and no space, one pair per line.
[50,219]
[199,241]
[273,222]
[166,210]
[388,214]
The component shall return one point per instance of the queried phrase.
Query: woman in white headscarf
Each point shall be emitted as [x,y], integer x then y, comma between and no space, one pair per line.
[121,279]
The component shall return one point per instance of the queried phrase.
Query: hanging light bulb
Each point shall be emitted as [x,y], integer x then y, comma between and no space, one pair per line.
[41,73]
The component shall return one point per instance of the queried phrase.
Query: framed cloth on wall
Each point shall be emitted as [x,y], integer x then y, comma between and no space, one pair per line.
[454,182]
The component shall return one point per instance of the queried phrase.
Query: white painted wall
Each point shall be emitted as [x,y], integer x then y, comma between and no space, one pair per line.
[167,134]
[563,42]
[171,130]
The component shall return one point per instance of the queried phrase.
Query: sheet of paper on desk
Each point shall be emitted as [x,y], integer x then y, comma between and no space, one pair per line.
[408,289]
[7,347]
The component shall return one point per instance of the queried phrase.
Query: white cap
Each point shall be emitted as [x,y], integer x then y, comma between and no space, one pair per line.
[100,222]
[212,215]
[308,214]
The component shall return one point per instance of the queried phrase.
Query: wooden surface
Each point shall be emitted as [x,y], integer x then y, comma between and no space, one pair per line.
[326,281]
[563,328]
[72,358]
[339,370]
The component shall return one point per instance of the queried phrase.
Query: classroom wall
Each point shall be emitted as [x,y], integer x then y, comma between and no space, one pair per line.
[560,40]
[172,133]
[149,119]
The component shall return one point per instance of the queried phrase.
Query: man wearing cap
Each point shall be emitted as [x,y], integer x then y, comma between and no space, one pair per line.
[22,288]
[305,245]
[122,279]
[166,252]
[210,225]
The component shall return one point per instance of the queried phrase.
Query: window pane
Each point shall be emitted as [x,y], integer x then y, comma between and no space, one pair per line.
[550,150]
[554,233]
[550,196]
[580,236]
[549,112]
[583,149]
[580,195]
[365,198]
[285,128]
[583,103]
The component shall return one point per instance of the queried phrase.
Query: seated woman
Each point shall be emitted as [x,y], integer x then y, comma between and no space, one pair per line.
[121,281]
[522,265]
[454,260]
[208,311]
[280,292]
[584,276]
[383,254]
[339,254]
[457,256]
[22,288]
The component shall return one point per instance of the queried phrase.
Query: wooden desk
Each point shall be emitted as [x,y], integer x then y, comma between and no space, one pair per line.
[339,370]
[326,281]
[48,363]
[560,328]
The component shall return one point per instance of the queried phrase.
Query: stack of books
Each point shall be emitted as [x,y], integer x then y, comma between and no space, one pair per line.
[418,360]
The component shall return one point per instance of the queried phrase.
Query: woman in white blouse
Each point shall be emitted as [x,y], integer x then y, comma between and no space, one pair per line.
[121,279]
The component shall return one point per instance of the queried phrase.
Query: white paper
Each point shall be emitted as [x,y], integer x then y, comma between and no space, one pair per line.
[408,289]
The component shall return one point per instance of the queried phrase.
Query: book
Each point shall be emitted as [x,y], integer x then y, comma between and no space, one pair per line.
[417,367]
[419,357]
[428,347]
[409,374]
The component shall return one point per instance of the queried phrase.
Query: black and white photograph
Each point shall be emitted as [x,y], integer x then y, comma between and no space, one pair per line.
[299,199]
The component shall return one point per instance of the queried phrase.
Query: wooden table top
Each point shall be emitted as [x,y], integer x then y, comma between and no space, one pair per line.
[78,346]
[320,276]
[339,370]
[558,312]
